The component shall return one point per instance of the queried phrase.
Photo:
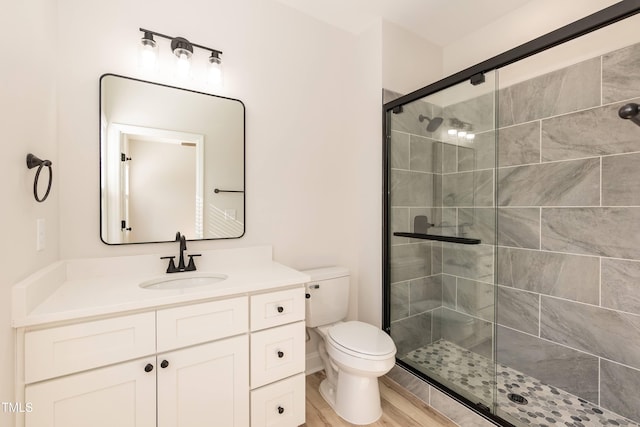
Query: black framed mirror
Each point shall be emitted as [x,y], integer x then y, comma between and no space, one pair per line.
[171,160]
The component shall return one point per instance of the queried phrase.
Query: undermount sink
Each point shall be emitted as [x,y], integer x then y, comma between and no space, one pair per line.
[177,281]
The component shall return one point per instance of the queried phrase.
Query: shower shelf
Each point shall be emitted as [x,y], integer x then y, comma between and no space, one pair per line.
[450,239]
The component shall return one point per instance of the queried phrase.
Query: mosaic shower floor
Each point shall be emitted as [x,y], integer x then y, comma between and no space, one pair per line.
[547,406]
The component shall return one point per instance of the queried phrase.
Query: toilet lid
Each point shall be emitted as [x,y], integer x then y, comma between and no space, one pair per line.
[362,338]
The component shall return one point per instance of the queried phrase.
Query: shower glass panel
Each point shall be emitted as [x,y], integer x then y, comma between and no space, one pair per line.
[512,260]
[442,231]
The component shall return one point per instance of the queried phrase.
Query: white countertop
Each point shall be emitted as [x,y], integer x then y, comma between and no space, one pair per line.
[76,289]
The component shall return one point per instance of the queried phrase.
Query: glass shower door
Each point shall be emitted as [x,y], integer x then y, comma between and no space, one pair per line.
[441,218]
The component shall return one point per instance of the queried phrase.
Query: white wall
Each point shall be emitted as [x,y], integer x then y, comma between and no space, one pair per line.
[409,62]
[28,124]
[534,19]
[285,67]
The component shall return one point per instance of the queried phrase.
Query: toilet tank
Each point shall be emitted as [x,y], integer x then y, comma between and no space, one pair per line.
[327,295]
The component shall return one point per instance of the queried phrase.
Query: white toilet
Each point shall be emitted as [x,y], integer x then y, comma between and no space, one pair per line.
[354,353]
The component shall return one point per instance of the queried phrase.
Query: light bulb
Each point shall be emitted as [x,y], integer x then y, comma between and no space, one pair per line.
[183,65]
[215,70]
[148,52]
[452,131]
[471,136]
[462,134]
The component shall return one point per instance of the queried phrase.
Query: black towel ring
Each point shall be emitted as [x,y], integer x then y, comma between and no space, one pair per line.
[32,162]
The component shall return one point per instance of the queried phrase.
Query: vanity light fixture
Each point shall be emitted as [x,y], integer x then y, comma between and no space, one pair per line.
[183,50]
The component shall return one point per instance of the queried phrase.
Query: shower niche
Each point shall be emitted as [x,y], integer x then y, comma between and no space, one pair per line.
[510,245]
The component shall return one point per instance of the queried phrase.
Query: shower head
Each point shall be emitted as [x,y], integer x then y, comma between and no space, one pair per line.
[434,123]
[630,111]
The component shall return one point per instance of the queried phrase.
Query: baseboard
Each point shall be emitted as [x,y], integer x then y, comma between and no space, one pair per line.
[313,363]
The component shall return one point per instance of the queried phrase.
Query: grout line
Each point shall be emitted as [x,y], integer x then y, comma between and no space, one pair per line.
[600,181]
[600,282]
[540,230]
[539,315]
[540,142]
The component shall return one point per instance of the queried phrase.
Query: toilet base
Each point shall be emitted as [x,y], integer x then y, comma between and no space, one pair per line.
[356,399]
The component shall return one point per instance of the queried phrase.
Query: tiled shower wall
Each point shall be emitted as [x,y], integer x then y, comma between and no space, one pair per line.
[568,191]
[567,259]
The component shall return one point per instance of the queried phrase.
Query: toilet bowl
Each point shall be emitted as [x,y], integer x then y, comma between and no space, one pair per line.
[354,354]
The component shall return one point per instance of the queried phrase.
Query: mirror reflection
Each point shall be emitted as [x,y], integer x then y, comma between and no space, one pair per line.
[170,160]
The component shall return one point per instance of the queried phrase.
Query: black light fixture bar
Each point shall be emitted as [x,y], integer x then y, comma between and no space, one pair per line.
[164,36]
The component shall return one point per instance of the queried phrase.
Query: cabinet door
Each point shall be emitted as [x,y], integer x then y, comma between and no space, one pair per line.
[121,395]
[205,385]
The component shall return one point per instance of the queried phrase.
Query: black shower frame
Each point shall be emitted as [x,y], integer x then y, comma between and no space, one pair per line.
[586,25]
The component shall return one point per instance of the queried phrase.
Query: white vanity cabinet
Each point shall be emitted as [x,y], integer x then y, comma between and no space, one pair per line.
[234,362]
[196,364]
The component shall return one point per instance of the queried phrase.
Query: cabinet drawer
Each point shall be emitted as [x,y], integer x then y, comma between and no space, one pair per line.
[66,349]
[197,323]
[279,404]
[277,308]
[277,353]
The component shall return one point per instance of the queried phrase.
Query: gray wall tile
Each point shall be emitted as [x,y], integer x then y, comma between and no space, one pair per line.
[577,135]
[398,221]
[468,189]
[519,227]
[620,386]
[436,258]
[479,223]
[411,189]
[408,121]
[469,261]
[399,300]
[571,183]
[620,77]
[519,145]
[425,154]
[478,111]
[621,180]
[518,309]
[553,364]
[476,298]
[455,411]
[449,291]
[411,333]
[479,154]
[410,382]
[409,262]
[620,285]
[572,277]
[469,332]
[399,150]
[569,89]
[425,294]
[609,232]
[449,158]
[603,332]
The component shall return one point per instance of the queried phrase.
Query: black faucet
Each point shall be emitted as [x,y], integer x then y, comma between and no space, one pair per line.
[181,267]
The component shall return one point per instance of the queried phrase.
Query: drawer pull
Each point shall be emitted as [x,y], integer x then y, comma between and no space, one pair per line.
[280,354]
[280,309]
[148,368]
[280,410]
[164,364]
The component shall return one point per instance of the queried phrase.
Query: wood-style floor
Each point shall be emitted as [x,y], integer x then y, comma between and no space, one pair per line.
[399,408]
